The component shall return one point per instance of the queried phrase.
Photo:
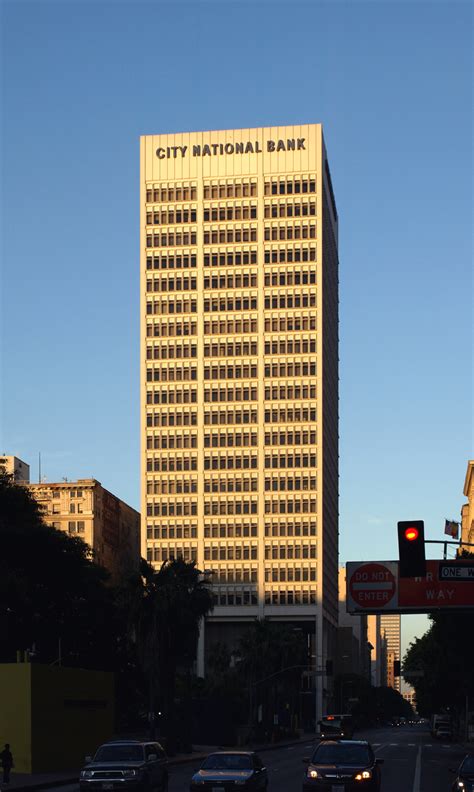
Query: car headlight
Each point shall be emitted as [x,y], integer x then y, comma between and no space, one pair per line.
[312,773]
[460,784]
[86,773]
[363,776]
[130,773]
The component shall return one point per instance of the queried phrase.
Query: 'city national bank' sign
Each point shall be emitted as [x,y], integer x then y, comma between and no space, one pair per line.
[213,149]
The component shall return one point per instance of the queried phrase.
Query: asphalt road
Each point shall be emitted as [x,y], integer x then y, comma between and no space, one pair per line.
[413,762]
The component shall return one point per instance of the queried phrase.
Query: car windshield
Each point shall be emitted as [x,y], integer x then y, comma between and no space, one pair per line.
[119,753]
[468,765]
[227,762]
[341,755]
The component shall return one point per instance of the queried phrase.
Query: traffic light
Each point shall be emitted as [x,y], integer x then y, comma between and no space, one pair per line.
[411,548]
[396,668]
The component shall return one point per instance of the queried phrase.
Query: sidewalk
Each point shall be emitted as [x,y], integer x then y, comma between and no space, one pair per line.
[26,782]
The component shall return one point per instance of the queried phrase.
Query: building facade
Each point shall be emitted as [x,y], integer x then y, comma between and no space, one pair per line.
[239,372]
[390,625]
[86,509]
[467,511]
[16,468]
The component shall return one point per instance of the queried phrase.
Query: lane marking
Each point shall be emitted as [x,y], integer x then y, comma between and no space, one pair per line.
[417,778]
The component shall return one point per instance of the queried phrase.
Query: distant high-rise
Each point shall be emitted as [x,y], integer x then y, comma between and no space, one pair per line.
[390,626]
[239,372]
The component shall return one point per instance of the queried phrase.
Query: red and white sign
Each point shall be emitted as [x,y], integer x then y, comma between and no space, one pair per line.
[376,588]
[372,584]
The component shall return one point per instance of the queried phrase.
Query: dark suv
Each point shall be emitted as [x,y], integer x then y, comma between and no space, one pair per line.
[342,766]
[126,765]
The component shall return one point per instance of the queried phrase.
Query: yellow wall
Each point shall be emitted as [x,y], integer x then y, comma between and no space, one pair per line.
[53,717]
[15,713]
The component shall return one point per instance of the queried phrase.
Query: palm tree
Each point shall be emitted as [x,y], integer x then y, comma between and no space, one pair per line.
[165,608]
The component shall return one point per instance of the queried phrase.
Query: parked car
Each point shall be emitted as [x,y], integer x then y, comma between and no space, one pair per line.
[222,770]
[464,775]
[126,765]
[444,733]
[344,765]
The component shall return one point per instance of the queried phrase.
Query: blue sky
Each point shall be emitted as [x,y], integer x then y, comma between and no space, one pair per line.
[392,84]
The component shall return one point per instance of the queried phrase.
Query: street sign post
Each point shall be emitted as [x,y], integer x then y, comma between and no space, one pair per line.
[376,587]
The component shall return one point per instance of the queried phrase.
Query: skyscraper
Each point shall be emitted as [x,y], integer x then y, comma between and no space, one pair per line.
[239,371]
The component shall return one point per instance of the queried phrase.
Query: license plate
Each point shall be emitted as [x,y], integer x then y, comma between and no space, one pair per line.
[337,788]
[107,786]
[217,789]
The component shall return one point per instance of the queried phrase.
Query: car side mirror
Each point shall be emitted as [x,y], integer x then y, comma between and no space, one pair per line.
[379,761]
[305,759]
[152,758]
[88,759]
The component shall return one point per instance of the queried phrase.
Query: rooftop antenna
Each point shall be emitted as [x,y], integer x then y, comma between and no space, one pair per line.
[39,467]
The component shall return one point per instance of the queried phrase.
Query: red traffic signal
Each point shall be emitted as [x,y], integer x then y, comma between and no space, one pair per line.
[411,547]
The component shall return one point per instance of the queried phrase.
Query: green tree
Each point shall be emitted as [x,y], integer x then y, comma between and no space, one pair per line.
[165,608]
[53,598]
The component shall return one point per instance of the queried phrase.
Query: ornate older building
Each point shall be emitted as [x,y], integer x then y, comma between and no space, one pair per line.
[239,372]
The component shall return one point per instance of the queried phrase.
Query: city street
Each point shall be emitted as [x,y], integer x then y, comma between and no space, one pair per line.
[414,762]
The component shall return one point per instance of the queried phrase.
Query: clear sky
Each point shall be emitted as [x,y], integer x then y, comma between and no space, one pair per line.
[392,84]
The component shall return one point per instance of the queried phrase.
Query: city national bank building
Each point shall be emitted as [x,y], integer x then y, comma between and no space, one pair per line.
[239,375]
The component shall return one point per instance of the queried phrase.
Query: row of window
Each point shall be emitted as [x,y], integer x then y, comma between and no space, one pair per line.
[305,506]
[230,304]
[290,574]
[171,261]
[290,278]
[290,484]
[277,461]
[237,394]
[289,232]
[172,216]
[247,484]
[239,371]
[171,553]
[184,418]
[236,597]
[283,392]
[230,507]
[172,509]
[231,349]
[289,255]
[227,530]
[291,415]
[170,329]
[290,347]
[290,301]
[290,324]
[172,531]
[230,326]
[230,417]
[185,192]
[278,597]
[171,352]
[244,462]
[290,369]
[224,552]
[171,486]
[176,238]
[290,186]
[230,189]
[171,374]
[233,575]
[71,493]
[171,307]
[290,528]
[229,236]
[289,551]
[171,397]
[290,209]
[164,464]
[290,437]
[222,213]
[171,284]
[230,258]
[231,440]
[238,281]
[172,441]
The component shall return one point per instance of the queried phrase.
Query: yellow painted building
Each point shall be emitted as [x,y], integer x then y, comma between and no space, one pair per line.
[467,511]
[86,509]
[239,371]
